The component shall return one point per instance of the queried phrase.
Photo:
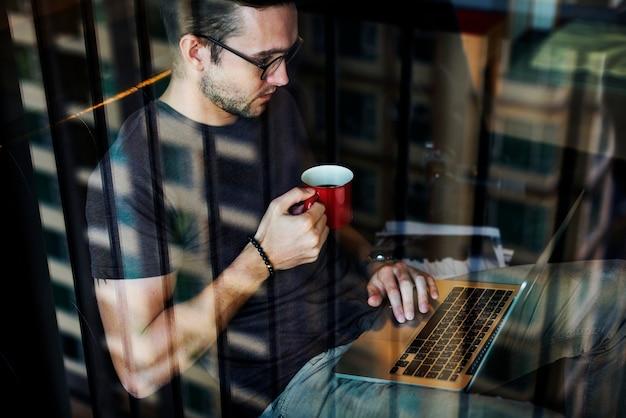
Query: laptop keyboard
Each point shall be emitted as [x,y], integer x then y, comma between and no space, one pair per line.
[454,334]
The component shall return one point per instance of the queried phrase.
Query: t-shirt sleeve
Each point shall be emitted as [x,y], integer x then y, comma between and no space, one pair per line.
[126,213]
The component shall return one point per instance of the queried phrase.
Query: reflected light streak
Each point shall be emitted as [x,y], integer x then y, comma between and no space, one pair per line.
[112,99]
[120,95]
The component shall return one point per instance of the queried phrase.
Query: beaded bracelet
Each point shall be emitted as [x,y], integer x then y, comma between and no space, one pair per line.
[266,260]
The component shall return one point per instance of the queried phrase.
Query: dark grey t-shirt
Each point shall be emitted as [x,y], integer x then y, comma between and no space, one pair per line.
[185,201]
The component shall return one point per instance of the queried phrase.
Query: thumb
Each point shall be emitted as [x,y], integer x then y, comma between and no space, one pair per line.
[374,296]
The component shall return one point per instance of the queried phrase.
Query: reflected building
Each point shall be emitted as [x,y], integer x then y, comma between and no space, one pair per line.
[544,132]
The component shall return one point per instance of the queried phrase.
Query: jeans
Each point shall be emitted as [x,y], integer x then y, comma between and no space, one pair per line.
[575,311]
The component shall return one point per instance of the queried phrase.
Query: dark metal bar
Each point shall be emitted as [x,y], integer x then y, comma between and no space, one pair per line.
[89,317]
[120,23]
[407,44]
[31,360]
[332,142]
[571,180]
[332,89]
[172,406]
[143,42]
[483,162]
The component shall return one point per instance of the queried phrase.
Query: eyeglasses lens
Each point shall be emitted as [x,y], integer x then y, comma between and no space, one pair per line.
[288,57]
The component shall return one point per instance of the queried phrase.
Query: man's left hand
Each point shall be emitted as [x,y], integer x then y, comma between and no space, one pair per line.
[395,280]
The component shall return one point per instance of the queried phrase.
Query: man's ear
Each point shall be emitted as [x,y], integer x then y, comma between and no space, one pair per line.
[194,52]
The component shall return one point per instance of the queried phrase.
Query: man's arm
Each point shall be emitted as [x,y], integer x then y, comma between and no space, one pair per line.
[150,342]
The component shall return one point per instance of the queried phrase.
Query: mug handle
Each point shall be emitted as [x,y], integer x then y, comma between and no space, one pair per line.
[301,207]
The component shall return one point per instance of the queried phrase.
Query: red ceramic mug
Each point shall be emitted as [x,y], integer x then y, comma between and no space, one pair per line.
[333,184]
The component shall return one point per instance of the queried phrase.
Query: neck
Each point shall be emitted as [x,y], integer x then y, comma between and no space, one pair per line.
[189,101]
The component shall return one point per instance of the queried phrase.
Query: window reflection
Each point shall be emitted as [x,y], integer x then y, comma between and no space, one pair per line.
[552,113]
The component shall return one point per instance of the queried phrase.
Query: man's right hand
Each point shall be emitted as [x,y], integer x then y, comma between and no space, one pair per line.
[291,240]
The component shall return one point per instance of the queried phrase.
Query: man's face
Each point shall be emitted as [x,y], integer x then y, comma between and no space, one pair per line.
[234,84]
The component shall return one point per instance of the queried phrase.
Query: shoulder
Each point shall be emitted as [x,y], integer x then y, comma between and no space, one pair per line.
[139,131]
[136,124]
[128,148]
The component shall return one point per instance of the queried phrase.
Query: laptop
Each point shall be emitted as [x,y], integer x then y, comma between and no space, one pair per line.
[446,347]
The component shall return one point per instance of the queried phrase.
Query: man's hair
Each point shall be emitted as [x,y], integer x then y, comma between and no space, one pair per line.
[216,18]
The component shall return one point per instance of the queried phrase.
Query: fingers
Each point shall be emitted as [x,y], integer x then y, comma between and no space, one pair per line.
[404,287]
[290,240]
[304,205]
[426,287]
[297,200]
[401,299]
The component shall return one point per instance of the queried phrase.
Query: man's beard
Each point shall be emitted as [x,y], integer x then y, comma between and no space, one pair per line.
[226,98]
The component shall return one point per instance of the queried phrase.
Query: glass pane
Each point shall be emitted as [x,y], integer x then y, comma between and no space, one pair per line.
[502,113]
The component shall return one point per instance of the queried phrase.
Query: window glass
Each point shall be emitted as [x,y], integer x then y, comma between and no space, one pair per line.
[503,113]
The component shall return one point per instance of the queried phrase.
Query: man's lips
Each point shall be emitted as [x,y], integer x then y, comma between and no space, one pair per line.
[268,94]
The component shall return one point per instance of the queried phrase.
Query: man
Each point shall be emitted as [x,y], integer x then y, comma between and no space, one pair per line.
[195,254]
[226,140]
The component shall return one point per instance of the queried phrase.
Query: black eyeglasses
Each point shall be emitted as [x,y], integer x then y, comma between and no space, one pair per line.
[270,67]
